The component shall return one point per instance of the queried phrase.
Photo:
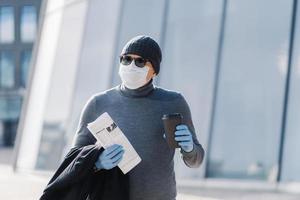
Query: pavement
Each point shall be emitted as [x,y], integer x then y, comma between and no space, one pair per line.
[26,186]
[235,194]
[17,186]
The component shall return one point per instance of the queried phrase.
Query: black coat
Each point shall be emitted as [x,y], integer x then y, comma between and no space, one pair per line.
[76,179]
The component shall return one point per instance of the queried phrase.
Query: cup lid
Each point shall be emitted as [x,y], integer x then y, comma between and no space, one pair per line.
[172,115]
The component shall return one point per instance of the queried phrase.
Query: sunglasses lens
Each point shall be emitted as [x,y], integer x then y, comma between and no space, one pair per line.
[126,60]
[140,62]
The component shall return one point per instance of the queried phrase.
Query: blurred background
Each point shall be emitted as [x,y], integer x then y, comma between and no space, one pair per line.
[236,62]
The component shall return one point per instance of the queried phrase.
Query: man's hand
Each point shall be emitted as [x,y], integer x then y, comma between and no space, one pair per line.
[184,138]
[110,157]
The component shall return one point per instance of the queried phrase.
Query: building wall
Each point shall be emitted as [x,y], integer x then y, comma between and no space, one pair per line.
[18,25]
[234,61]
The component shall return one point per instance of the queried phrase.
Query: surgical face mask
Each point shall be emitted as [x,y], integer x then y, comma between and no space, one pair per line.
[132,76]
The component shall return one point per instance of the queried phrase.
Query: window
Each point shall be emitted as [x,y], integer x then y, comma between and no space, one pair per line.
[28,23]
[7,30]
[247,125]
[10,107]
[291,158]
[192,60]
[7,70]
[25,61]
[141,22]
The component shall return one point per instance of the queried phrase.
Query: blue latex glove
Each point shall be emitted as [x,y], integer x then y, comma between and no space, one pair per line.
[184,137]
[110,157]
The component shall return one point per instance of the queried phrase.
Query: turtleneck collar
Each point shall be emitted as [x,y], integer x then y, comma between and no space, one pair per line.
[139,92]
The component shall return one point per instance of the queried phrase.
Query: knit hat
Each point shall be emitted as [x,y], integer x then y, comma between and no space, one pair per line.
[146,47]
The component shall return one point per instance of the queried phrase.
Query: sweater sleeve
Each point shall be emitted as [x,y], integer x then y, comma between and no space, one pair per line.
[194,158]
[83,136]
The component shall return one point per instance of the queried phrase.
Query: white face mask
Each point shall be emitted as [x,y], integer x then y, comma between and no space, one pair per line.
[132,76]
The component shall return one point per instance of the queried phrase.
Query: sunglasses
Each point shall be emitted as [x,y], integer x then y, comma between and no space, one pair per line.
[139,62]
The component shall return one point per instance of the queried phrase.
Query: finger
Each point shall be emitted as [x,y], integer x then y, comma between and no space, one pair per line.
[109,166]
[117,157]
[181,127]
[114,152]
[120,152]
[183,138]
[182,132]
[117,162]
[106,164]
[185,143]
[111,148]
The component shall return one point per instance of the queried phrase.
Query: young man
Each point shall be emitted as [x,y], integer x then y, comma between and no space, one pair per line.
[137,106]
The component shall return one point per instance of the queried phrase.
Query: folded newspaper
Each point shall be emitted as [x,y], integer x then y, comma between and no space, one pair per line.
[107,133]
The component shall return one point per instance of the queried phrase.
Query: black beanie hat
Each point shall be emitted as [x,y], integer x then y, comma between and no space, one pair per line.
[146,47]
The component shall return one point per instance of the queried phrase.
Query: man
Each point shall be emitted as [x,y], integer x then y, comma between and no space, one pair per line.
[137,106]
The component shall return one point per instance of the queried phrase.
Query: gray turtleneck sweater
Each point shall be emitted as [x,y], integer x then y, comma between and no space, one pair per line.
[138,114]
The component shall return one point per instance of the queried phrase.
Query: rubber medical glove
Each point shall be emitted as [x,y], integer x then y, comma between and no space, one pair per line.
[184,137]
[110,157]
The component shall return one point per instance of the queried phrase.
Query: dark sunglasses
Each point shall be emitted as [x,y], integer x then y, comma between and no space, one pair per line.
[139,62]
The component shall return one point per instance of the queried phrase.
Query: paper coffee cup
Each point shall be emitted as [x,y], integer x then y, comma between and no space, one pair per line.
[170,122]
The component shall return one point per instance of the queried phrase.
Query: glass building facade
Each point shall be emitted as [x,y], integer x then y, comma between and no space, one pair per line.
[18,28]
[236,62]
